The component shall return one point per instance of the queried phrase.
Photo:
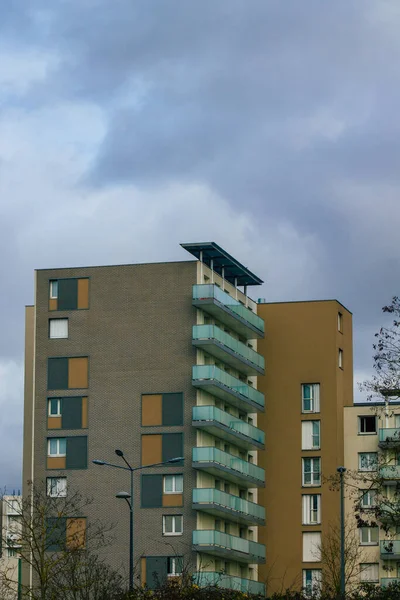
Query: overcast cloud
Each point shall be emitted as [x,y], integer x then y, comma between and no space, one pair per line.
[269,127]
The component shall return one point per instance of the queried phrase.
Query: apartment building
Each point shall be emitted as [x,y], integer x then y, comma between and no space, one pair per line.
[161,361]
[10,564]
[309,381]
[372,448]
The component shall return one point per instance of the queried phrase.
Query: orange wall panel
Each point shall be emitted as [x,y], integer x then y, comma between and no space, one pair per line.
[77,373]
[151,409]
[83,293]
[151,449]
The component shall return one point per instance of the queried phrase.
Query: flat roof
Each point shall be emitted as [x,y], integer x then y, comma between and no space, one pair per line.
[233,269]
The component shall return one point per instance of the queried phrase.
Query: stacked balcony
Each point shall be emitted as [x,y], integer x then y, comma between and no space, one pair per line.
[246,586]
[227,506]
[390,474]
[218,543]
[227,466]
[386,581]
[390,549]
[389,437]
[230,428]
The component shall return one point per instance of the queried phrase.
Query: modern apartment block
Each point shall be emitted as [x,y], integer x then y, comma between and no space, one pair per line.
[309,380]
[160,361]
[372,442]
[10,514]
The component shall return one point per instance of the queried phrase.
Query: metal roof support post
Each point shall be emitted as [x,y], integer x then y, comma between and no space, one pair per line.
[236,290]
[201,266]
[245,293]
[212,270]
[223,277]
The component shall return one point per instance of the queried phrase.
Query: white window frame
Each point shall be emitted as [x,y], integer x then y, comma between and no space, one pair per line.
[371,496]
[314,399]
[58,407]
[53,294]
[310,588]
[174,531]
[311,509]
[58,447]
[364,567]
[50,487]
[174,561]
[340,322]
[310,439]
[174,487]
[11,553]
[340,358]
[65,333]
[314,482]
[360,422]
[311,546]
[369,541]
[370,463]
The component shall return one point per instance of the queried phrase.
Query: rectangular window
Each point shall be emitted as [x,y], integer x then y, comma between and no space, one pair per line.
[162,410]
[67,373]
[369,572]
[310,397]
[69,294]
[58,328]
[311,471]
[174,565]
[312,582]
[173,484]
[369,536]
[368,499]
[161,447]
[172,525]
[67,413]
[11,553]
[311,509]
[57,447]
[340,322]
[57,487]
[340,358]
[367,424]
[53,289]
[54,407]
[312,546]
[310,435]
[367,461]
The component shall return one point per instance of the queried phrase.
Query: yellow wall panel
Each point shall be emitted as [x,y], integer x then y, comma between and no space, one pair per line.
[76,533]
[84,412]
[56,462]
[151,409]
[172,500]
[54,422]
[151,449]
[77,373]
[83,293]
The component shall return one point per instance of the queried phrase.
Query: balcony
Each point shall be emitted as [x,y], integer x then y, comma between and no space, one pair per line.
[226,348]
[225,465]
[228,582]
[391,474]
[225,426]
[227,506]
[211,541]
[389,438]
[386,581]
[214,301]
[228,388]
[390,549]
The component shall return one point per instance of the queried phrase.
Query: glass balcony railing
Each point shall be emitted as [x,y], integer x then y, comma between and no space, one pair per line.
[220,543]
[208,296]
[236,351]
[386,581]
[390,549]
[228,582]
[213,459]
[211,497]
[226,386]
[389,437]
[390,472]
[212,417]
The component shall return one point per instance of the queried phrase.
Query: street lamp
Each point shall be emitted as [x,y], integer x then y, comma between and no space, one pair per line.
[129,497]
[342,471]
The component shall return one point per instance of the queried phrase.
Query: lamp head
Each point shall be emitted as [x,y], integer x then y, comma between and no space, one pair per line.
[123,495]
[119,452]
[341,470]
[98,462]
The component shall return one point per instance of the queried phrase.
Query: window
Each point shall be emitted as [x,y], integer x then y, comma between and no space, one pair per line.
[53,289]
[311,471]
[369,572]
[54,407]
[57,487]
[312,581]
[173,484]
[57,447]
[367,461]
[311,509]
[312,546]
[340,358]
[161,447]
[67,373]
[174,565]
[162,410]
[340,322]
[310,397]
[172,525]
[367,424]
[368,499]
[11,553]
[310,435]
[369,536]
[58,328]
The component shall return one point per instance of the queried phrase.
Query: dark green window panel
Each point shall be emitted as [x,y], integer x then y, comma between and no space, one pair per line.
[76,452]
[56,533]
[152,491]
[67,294]
[57,373]
[172,409]
[156,571]
[172,446]
[71,413]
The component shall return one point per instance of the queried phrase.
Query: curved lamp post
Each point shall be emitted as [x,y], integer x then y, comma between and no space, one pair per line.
[129,497]
[342,471]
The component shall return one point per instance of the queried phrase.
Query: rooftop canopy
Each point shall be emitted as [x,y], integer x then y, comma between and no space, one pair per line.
[233,270]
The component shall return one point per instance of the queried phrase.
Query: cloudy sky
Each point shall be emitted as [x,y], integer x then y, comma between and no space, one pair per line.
[127,127]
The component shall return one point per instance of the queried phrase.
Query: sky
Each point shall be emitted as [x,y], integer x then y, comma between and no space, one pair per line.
[268,127]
